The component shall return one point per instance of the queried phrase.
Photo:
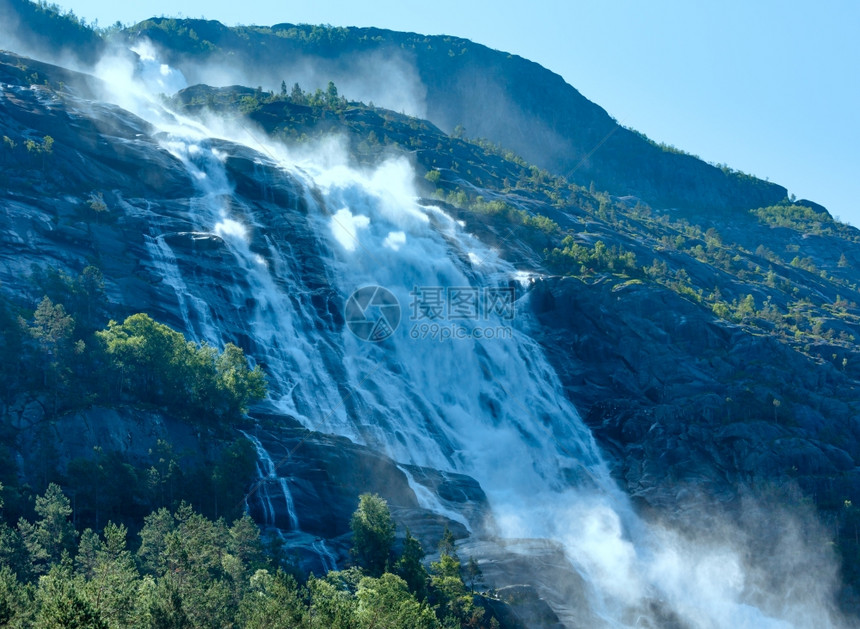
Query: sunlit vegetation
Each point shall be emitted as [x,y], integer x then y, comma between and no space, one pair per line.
[58,351]
[759,288]
[31,151]
[156,365]
[582,259]
[666,148]
[509,213]
[52,10]
[320,99]
[305,36]
[797,217]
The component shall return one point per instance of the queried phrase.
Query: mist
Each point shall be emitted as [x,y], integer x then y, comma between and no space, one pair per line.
[386,78]
[77,49]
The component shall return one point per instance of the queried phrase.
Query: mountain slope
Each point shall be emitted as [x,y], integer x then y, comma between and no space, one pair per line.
[41,29]
[450,81]
[504,98]
[713,353]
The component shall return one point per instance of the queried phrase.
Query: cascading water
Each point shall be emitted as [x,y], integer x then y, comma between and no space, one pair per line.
[489,407]
[272,499]
[268,475]
[165,263]
[329,562]
[278,324]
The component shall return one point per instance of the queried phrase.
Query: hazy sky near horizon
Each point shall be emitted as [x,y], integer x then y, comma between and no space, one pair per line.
[768,87]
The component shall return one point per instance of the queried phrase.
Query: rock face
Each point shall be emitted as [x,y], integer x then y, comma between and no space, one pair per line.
[684,399]
[326,474]
[131,432]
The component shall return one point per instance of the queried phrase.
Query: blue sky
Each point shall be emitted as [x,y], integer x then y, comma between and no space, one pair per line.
[768,87]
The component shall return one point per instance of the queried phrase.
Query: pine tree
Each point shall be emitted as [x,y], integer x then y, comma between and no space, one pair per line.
[297,95]
[446,544]
[54,533]
[112,589]
[373,533]
[61,604]
[474,574]
[410,568]
[331,97]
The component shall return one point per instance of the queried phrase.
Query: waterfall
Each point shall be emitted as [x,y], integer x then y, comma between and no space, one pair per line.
[453,382]
[327,558]
[279,323]
[166,266]
[267,473]
[272,493]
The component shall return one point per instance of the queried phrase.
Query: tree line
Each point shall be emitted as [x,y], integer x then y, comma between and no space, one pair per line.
[185,570]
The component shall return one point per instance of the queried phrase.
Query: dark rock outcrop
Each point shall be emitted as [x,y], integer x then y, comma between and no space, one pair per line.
[681,397]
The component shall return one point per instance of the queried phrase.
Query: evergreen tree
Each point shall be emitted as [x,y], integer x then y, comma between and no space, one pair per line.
[297,95]
[14,554]
[373,534]
[112,585]
[236,381]
[410,568]
[387,602]
[52,329]
[331,605]
[88,298]
[331,97]
[244,554]
[16,605]
[51,326]
[60,603]
[273,602]
[474,574]
[152,552]
[52,535]
[446,544]
[166,609]
[449,593]
[155,364]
